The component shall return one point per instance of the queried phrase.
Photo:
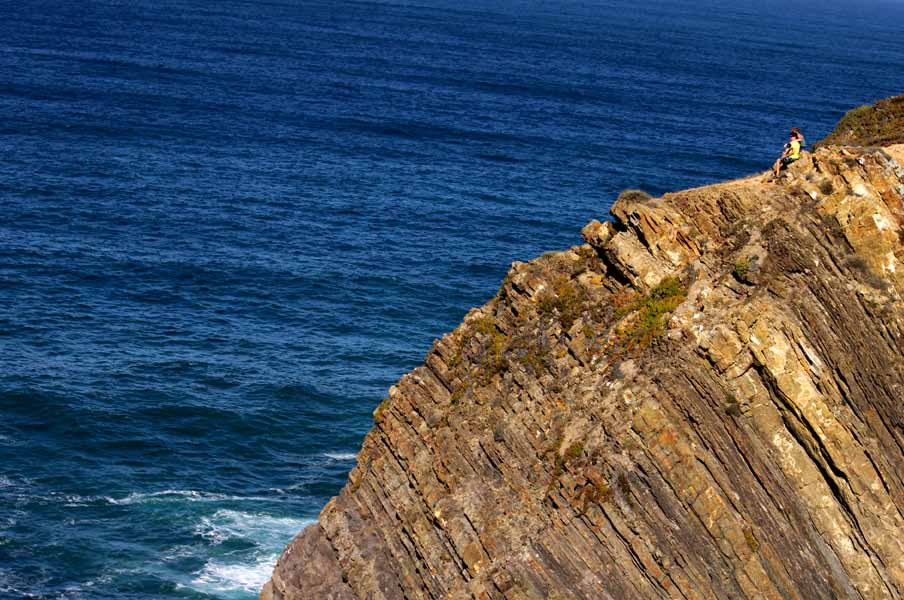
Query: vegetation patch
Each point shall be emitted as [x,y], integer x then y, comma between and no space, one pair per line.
[633,195]
[457,394]
[485,325]
[562,300]
[647,324]
[494,361]
[741,270]
[594,494]
[533,351]
[751,540]
[378,413]
[878,124]
[493,345]
[573,452]
[460,344]
[732,408]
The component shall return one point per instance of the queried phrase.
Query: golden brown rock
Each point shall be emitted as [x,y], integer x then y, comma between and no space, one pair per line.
[704,401]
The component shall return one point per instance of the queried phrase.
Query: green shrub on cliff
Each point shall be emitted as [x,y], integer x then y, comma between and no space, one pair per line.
[741,270]
[632,195]
[878,124]
[563,300]
[647,324]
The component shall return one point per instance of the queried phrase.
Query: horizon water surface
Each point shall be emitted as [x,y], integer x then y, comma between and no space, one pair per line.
[227,228]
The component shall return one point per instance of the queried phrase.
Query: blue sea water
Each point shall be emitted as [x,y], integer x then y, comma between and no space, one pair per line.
[227,227]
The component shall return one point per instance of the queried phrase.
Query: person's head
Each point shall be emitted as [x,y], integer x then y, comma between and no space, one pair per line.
[795,133]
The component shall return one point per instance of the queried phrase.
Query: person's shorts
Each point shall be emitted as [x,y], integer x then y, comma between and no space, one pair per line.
[788,160]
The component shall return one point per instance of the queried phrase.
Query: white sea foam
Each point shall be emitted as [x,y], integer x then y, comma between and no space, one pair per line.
[141,497]
[170,495]
[341,455]
[222,577]
[190,495]
[263,530]
[77,500]
[232,574]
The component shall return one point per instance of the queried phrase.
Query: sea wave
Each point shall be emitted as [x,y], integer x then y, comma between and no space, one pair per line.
[159,497]
[222,578]
[227,572]
[262,529]
[341,455]
[169,495]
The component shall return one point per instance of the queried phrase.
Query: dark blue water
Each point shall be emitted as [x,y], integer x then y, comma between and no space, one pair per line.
[226,228]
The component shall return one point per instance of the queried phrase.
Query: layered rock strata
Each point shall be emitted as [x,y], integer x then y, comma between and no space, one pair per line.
[704,401]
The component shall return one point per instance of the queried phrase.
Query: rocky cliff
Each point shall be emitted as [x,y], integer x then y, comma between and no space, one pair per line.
[702,401]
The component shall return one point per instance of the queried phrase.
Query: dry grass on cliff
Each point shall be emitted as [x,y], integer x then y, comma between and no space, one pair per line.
[879,124]
[646,324]
[563,300]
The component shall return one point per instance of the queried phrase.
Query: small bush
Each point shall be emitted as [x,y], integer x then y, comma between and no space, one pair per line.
[485,325]
[562,299]
[535,357]
[457,394]
[595,494]
[648,324]
[494,344]
[556,473]
[826,187]
[751,540]
[603,492]
[460,344]
[732,408]
[741,270]
[634,196]
[574,451]
[378,413]
[495,358]
[670,287]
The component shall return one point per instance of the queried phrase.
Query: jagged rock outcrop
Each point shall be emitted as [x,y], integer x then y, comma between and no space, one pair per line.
[705,400]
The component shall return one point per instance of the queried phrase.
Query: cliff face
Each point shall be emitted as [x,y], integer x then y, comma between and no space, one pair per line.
[702,401]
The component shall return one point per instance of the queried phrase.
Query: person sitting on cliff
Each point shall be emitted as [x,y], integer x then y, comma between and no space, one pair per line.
[790,153]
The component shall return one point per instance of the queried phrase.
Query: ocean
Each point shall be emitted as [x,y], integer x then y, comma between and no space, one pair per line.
[226,228]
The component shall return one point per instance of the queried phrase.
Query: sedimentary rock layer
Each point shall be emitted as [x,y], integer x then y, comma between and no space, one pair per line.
[702,401]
